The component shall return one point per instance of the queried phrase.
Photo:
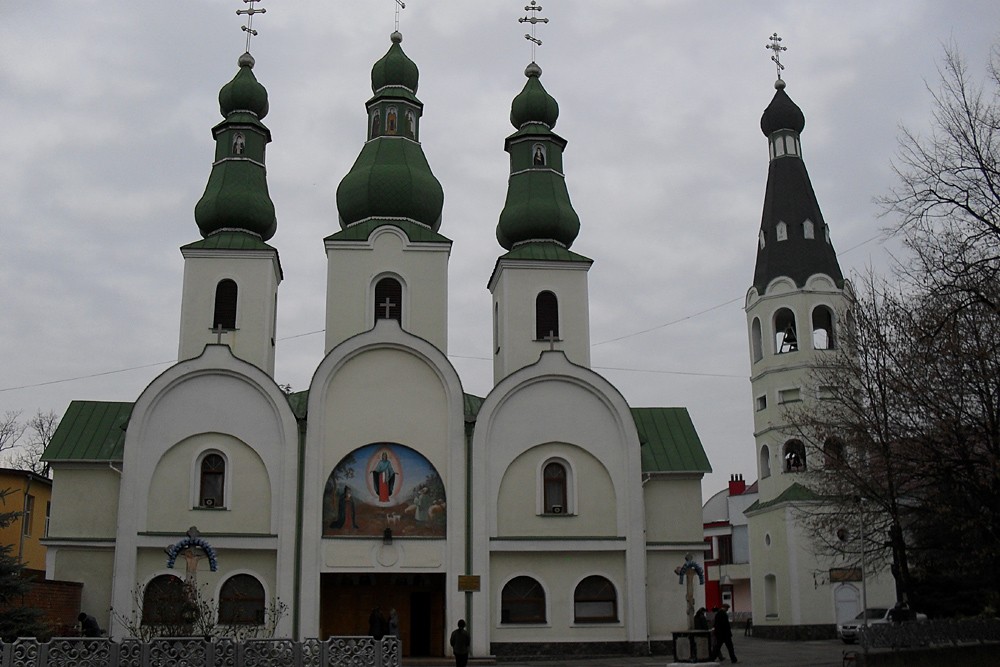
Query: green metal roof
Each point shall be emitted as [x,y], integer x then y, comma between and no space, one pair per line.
[552,252]
[90,431]
[229,240]
[361,231]
[669,441]
[794,493]
[472,405]
[299,402]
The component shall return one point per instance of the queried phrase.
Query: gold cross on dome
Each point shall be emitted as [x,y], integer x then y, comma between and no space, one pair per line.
[533,18]
[248,28]
[776,46]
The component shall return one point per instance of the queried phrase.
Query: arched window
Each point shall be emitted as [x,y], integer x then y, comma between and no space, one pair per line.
[782,231]
[822,328]
[756,340]
[554,482]
[765,462]
[808,229]
[389,300]
[164,602]
[785,337]
[794,456]
[522,601]
[241,601]
[546,316]
[761,239]
[225,305]
[595,601]
[212,485]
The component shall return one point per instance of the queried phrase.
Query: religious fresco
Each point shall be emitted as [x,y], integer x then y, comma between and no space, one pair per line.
[384,485]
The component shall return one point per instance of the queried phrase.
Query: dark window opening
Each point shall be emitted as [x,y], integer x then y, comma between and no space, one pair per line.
[164,602]
[389,300]
[522,601]
[595,601]
[795,456]
[225,305]
[213,481]
[554,483]
[241,601]
[546,316]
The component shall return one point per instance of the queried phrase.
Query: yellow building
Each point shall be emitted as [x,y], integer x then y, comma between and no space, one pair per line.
[30,494]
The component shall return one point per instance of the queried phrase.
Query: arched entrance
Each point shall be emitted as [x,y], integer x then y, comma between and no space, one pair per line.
[347,600]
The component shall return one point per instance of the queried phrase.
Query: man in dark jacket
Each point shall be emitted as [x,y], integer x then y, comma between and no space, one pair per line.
[460,645]
[723,634]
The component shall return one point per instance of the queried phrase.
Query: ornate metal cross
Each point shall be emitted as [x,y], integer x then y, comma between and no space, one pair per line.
[776,46]
[399,5]
[248,28]
[533,19]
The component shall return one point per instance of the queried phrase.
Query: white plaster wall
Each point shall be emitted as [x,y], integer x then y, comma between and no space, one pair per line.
[515,285]
[174,488]
[257,275]
[673,509]
[84,501]
[94,568]
[592,496]
[354,267]
[558,573]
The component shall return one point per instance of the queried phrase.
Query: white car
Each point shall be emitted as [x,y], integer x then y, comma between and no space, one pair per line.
[848,631]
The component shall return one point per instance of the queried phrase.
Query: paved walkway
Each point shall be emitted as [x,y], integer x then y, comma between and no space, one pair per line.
[750,651]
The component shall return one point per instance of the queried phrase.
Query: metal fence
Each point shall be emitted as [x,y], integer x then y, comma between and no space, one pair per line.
[943,632]
[197,652]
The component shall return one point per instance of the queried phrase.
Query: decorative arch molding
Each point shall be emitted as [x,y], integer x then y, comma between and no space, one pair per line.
[165,415]
[780,285]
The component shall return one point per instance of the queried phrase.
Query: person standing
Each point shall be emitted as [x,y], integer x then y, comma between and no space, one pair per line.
[723,634]
[460,644]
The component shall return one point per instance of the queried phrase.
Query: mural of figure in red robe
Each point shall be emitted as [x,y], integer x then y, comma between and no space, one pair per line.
[383,478]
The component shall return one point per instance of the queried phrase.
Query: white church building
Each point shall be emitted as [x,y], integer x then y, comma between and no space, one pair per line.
[549,514]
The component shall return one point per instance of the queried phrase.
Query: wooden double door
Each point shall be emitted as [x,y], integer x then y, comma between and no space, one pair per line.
[348,599]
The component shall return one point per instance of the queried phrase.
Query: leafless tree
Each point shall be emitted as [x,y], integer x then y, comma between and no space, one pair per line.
[11,429]
[37,433]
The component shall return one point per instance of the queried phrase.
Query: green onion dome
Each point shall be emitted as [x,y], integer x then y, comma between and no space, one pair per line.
[236,196]
[533,104]
[391,179]
[782,113]
[538,208]
[243,93]
[395,68]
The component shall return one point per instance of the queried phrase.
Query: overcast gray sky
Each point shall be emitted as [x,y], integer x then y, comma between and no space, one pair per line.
[107,109]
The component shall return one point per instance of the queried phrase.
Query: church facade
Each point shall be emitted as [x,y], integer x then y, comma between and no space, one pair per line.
[549,514]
